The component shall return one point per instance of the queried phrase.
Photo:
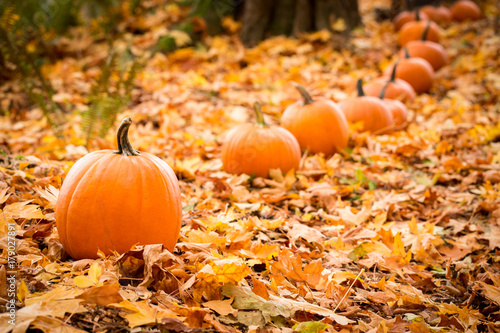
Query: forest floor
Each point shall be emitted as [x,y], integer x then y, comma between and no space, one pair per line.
[400,232]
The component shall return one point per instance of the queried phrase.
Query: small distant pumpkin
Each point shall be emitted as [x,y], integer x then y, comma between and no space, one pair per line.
[394,88]
[413,30]
[463,10]
[319,125]
[434,53]
[255,149]
[408,16]
[398,110]
[370,111]
[437,13]
[416,71]
[111,200]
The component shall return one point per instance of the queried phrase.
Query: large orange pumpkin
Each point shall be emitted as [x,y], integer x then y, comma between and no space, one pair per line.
[465,10]
[413,31]
[407,16]
[437,13]
[434,53]
[111,200]
[394,88]
[370,111]
[258,148]
[416,71]
[319,125]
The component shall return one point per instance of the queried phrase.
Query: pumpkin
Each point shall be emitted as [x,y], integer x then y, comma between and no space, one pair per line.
[434,53]
[465,10]
[369,110]
[394,88]
[407,16]
[416,71]
[258,148]
[319,125]
[111,200]
[413,30]
[398,110]
[437,13]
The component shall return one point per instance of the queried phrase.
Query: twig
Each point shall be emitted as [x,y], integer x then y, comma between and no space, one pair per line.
[348,290]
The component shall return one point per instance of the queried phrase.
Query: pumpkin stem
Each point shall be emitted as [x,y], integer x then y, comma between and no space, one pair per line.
[359,85]
[393,73]
[426,30]
[382,92]
[124,145]
[305,95]
[407,54]
[258,115]
[417,14]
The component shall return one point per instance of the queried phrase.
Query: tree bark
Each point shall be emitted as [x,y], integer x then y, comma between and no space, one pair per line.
[351,13]
[303,17]
[255,22]
[322,14]
[286,17]
[283,16]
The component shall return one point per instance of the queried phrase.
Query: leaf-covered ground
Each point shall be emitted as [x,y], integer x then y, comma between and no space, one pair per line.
[399,233]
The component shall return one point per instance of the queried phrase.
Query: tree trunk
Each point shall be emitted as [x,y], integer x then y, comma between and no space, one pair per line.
[351,13]
[322,14]
[255,22]
[282,23]
[303,17]
[263,18]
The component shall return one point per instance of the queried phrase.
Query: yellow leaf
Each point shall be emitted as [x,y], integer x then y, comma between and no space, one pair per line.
[143,313]
[180,37]
[95,272]
[230,270]
[3,195]
[399,247]
[413,226]
[221,307]
[83,282]
[22,210]
[22,291]
[50,194]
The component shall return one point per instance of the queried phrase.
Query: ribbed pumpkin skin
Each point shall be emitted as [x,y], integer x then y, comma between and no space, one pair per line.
[110,202]
[399,90]
[369,110]
[399,112]
[255,149]
[416,71]
[413,31]
[465,10]
[320,127]
[434,53]
[405,17]
[439,14]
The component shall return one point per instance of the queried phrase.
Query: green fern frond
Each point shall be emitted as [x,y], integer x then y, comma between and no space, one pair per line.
[110,94]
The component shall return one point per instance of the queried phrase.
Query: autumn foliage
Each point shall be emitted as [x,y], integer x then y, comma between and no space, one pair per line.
[229,219]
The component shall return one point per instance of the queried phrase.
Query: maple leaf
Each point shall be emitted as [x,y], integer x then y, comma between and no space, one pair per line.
[143,313]
[290,265]
[224,271]
[222,307]
[102,295]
